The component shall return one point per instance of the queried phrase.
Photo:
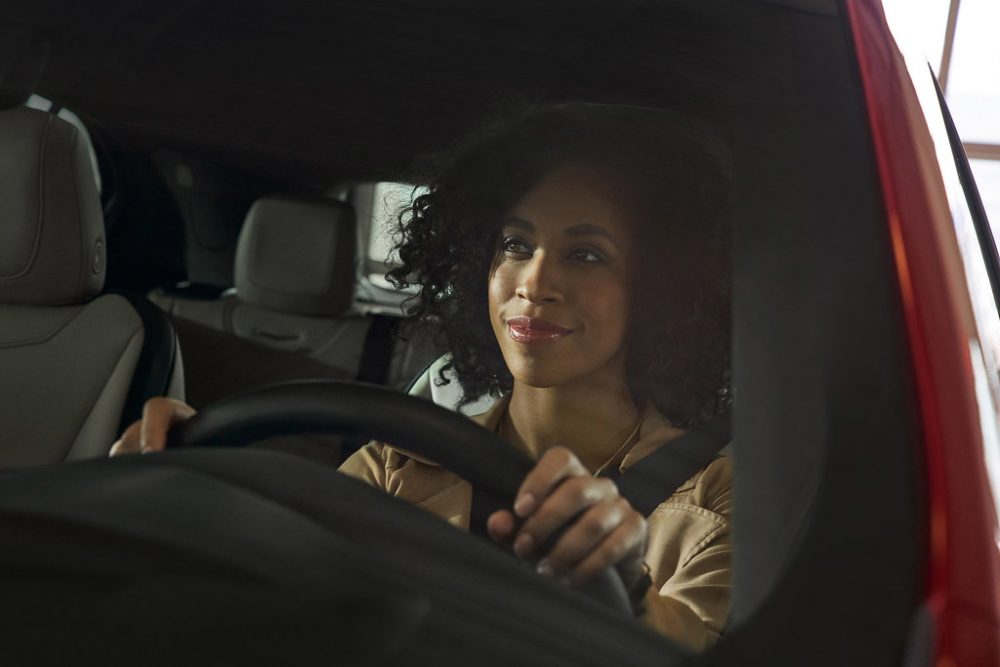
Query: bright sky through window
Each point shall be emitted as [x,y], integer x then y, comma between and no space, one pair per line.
[974,77]
[921,23]
[972,81]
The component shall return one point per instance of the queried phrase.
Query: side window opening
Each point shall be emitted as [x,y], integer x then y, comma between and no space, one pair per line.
[388,199]
[982,276]
[377,205]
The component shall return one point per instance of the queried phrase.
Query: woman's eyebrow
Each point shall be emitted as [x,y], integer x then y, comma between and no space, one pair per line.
[582,229]
[520,223]
[585,229]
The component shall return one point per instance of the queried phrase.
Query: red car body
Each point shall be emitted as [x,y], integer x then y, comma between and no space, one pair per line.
[963,577]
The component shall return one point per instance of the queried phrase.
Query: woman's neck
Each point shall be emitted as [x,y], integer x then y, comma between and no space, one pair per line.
[593,420]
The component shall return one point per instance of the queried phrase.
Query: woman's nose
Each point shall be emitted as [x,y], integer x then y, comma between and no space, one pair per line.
[539,280]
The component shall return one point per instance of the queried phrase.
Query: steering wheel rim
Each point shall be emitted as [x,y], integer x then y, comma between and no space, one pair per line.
[369,411]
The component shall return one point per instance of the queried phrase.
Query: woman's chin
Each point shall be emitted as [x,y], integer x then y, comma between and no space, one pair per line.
[541,376]
[564,370]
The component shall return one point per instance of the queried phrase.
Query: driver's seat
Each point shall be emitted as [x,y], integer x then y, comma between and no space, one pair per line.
[74,364]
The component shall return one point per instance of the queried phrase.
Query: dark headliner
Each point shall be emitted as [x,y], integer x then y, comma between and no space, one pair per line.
[319,91]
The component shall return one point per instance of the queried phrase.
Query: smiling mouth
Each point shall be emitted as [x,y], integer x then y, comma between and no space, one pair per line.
[535,331]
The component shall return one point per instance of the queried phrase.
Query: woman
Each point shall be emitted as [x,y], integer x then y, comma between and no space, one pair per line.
[572,259]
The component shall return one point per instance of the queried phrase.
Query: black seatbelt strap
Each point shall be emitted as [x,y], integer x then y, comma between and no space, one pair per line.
[157,357]
[650,481]
[376,355]
[657,476]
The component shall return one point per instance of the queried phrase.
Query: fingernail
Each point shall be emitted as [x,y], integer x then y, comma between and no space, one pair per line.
[523,545]
[544,568]
[524,504]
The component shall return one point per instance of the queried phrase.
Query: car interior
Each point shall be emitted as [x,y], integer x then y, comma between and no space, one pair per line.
[214,217]
[56,314]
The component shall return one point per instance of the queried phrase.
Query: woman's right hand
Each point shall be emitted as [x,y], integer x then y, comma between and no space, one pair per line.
[149,434]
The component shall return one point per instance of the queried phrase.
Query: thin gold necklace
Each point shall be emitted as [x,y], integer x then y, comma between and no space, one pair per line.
[618,451]
[600,469]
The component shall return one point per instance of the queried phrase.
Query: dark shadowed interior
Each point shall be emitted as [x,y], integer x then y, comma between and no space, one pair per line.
[198,108]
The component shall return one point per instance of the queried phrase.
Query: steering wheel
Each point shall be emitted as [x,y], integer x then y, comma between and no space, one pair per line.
[369,411]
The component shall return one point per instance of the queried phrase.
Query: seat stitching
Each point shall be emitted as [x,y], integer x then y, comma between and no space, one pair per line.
[80,221]
[43,337]
[41,207]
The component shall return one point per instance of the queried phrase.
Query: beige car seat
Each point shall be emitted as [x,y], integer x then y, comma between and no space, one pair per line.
[75,365]
[289,315]
[292,315]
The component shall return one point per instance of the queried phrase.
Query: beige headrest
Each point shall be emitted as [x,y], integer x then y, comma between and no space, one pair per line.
[51,227]
[297,256]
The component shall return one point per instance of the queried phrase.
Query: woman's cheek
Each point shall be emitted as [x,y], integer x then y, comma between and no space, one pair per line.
[499,291]
[607,299]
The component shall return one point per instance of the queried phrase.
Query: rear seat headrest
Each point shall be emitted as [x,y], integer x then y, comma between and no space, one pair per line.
[51,226]
[297,256]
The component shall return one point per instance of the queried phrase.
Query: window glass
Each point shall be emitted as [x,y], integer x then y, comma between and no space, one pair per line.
[921,22]
[389,198]
[985,351]
[974,75]
[987,173]
[379,210]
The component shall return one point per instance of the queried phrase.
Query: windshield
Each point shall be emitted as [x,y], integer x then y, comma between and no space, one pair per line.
[641,247]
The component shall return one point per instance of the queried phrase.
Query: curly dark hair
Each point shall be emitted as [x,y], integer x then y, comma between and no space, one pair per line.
[674,177]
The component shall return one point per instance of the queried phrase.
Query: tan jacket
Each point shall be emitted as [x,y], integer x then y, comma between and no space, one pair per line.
[689,541]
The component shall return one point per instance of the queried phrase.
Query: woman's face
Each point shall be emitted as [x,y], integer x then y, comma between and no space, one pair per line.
[558,294]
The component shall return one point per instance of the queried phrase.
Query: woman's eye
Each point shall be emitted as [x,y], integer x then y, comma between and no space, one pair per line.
[515,246]
[586,255]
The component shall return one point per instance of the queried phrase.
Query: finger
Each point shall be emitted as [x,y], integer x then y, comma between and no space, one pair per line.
[556,465]
[585,534]
[158,415]
[626,542]
[563,505]
[128,443]
[500,526]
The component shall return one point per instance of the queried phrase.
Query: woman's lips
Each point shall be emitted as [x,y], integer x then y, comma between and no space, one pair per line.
[533,331]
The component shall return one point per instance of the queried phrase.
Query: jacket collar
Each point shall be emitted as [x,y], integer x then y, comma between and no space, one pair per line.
[654,431]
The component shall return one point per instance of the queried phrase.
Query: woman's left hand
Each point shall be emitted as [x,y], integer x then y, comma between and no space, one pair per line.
[604,530]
